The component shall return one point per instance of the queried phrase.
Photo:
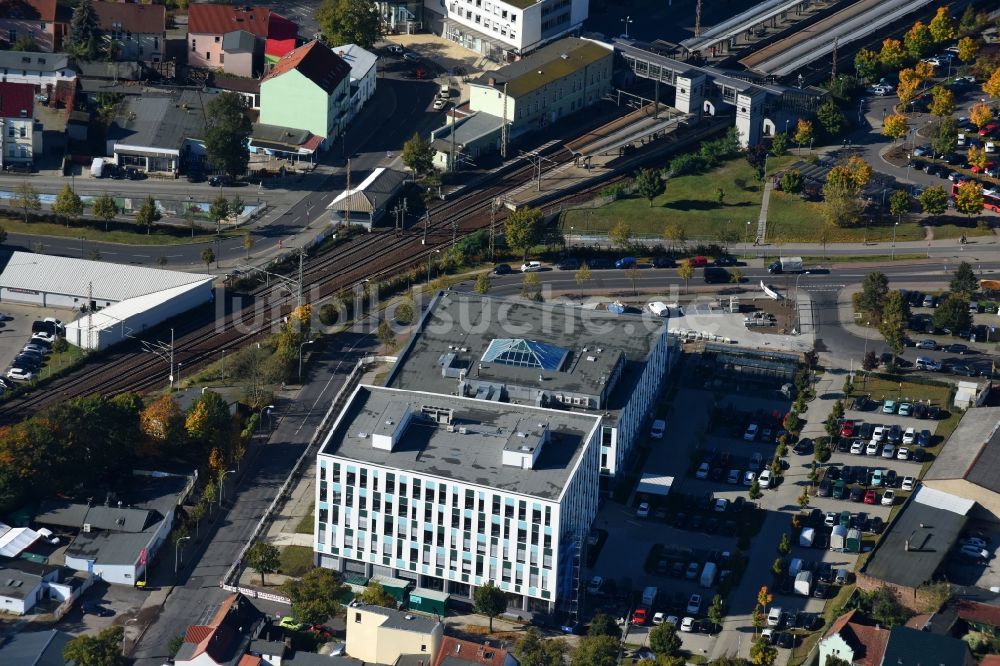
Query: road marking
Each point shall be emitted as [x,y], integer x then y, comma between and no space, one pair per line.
[144,256]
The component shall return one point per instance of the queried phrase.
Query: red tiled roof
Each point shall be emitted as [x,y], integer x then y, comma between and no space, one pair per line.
[224,609]
[35,10]
[978,612]
[196,633]
[316,62]
[133,18]
[990,660]
[17,97]
[206,19]
[869,641]
[249,660]
[455,649]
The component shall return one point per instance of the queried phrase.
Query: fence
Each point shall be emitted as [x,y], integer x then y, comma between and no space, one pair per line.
[232,574]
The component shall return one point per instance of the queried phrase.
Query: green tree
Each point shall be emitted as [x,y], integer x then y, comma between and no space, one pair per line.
[784,545]
[969,22]
[676,234]
[603,624]
[208,256]
[81,40]
[717,611]
[219,210]
[105,208]
[803,499]
[386,336]
[263,558]
[596,651]
[942,27]
[147,214]
[582,275]
[899,204]
[833,660]
[531,286]
[649,184]
[946,138]
[664,641]
[350,22]
[779,144]
[489,600]
[953,313]
[26,199]
[964,280]
[874,294]
[620,235]
[482,283]
[523,229]
[405,312]
[754,492]
[942,102]
[532,649]
[866,64]
[918,40]
[841,200]
[418,155]
[685,272]
[933,200]
[104,649]
[968,47]
[375,595]
[894,320]
[67,204]
[791,181]
[315,596]
[227,133]
[886,608]
[762,653]
[830,117]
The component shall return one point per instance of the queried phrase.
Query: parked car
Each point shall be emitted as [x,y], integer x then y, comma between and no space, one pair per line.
[694,604]
[502,269]
[888,497]
[531,266]
[889,407]
[569,264]
[643,510]
[626,262]
[94,608]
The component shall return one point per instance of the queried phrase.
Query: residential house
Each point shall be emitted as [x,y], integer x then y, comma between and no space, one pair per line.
[117,78]
[912,647]
[138,30]
[503,30]
[457,652]
[232,38]
[367,203]
[560,79]
[42,70]
[23,584]
[117,541]
[22,136]
[464,139]
[308,89]
[968,463]
[378,635]
[37,21]
[222,634]
[363,65]
[284,143]
[980,616]
[160,131]
[854,638]
[35,648]
[248,88]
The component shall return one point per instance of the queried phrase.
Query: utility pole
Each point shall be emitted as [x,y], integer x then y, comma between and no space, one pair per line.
[454,232]
[697,19]
[427,219]
[347,192]
[454,159]
[503,127]
[833,67]
[493,229]
[90,316]
[302,254]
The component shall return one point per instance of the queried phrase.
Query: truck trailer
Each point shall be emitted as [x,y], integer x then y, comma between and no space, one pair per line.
[786,265]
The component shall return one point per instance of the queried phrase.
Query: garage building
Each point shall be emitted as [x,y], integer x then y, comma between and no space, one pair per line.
[126,300]
[968,462]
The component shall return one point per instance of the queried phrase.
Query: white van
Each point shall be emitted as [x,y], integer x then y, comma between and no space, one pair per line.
[657,429]
[97,167]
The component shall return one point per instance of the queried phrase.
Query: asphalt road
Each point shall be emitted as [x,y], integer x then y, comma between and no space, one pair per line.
[198,586]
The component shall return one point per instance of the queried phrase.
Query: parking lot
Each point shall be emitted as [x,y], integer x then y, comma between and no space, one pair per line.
[15,327]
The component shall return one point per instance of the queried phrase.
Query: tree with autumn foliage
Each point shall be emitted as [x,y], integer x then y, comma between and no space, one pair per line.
[924,70]
[942,27]
[208,423]
[942,102]
[859,170]
[977,157]
[162,426]
[909,83]
[968,47]
[992,85]
[803,133]
[895,126]
[892,54]
[918,40]
[969,198]
[980,115]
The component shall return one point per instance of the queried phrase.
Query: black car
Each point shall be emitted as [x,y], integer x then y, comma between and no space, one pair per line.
[803,447]
[964,370]
[824,488]
[844,445]
[895,435]
[195,177]
[865,431]
[502,269]
[220,181]
[28,362]
[863,403]
[664,262]
[918,455]
[957,349]
[94,608]
[920,410]
[934,412]
[599,264]
[857,494]
[786,640]
[725,260]
[822,591]
[568,264]
[716,275]
[833,473]
[890,479]
[915,298]
[696,522]
[134,174]
[712,525]
[825,572]
[876,525]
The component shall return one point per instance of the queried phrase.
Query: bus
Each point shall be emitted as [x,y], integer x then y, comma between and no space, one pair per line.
[991,198]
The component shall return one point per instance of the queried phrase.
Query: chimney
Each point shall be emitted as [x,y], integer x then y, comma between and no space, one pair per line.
[492,81]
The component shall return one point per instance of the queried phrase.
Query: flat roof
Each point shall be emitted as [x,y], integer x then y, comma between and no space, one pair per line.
[120,312]
[973,450]
[160,119]
[459,327]
[402,620]
[466,130]
[918,540]
[549,63]
[69,276]
[471,449]
[38,648]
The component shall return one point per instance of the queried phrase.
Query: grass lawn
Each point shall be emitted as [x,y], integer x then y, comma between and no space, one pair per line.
[17,226]
[792,220]
[296,560]
[58,361]
[881,388]
[956,230]
[306,525]
[689,199]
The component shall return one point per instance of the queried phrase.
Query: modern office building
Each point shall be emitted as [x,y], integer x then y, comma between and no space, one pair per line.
[452,492]
[546,355]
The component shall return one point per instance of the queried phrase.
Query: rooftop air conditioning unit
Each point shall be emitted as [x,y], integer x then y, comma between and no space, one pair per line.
[86,527]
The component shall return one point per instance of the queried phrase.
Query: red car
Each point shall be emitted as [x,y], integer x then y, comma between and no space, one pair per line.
[989,129]
[871,497]
[698,262]
[639,616]
[847,430]
[989,166]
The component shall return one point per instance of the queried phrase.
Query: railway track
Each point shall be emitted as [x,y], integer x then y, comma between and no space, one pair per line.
[201,336]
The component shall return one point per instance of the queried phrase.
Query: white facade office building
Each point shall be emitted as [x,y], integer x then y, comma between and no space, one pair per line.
[549,355]
[453,492]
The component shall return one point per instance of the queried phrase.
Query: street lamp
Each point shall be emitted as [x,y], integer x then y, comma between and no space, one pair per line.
[626,21]
[267,410]
[746,241]
[179,375]
[307,342]
[429,255]
[177,547]
[892,253]
[222,484]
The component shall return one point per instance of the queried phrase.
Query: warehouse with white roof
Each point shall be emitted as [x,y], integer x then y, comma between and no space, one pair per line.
[116,301]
